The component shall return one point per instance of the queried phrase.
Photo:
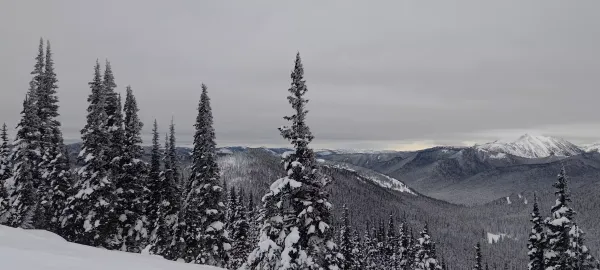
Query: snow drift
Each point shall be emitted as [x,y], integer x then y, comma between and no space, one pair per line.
[36,249]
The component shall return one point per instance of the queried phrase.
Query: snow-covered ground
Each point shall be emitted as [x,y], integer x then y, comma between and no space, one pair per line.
[36,250]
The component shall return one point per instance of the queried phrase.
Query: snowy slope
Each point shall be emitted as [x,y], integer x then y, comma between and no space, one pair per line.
[530,146]
[591,148]
[36,250]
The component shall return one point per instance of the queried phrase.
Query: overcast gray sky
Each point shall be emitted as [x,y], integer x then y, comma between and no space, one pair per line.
[381,74]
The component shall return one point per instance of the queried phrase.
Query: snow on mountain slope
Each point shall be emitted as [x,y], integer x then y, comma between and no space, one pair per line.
[35,250]
[591,148]
[381,180]
[530,146]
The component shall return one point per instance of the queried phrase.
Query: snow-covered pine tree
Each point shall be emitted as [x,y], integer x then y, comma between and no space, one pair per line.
[114,122]
[240,232]
[478,265]
[424,257]
[173,159]
[403,249]
[580,252]
[558,226]
[89,217]
[370,250]
[132,193]
[391,244]
[357,262]
[153,184]
[346,245]
[163,242]
[230,207]
[203,213]
[26,156]
[296,232]
[253,218]
[5,172]
[56,174]
[537,239]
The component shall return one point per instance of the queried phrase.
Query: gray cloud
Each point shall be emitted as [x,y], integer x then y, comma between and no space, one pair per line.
[382,75]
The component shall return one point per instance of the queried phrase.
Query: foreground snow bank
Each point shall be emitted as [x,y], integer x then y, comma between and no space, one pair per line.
[35,250]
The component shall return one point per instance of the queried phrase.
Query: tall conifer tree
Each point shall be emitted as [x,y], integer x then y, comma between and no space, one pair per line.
[23,198]
[296,232]
[558,228]
[90,217]
[202,222]
[132,192]
[537,239]
[5,173]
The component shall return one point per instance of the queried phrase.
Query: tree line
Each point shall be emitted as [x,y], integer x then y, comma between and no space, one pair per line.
[116,200]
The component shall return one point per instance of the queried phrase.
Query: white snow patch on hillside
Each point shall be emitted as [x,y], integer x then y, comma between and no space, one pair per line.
[380,179]
[496,237]
[508,200]
[36,250]
[498,156]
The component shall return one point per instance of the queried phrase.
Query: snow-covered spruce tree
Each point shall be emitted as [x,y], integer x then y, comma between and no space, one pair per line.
[131,189]
[558,226]
[163,242]
[203,213]
[89,217]
[173,159]
[5,172]
[537,239]
[346,245]
[370,250]
[56,174]
[296,232]
[26,156]
[424,256]
[357,262]
[230,207]
[580,252]
[391,245]
[153,182]
[403,247]
[240,232]
[478,265]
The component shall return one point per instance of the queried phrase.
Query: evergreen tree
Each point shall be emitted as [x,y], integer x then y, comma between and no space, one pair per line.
[296,232]
[89,217]
[425,257]
[203,213]
[404,248]
[173,160]
[5,173]
[56,174]
[370,251]
[537,239]
[240,231]
[164,242]
[391,244]
[26,156]
[132,193]
[558,226]
[357,258]
[346,245]
[478,265]
[580,252]
[154,179]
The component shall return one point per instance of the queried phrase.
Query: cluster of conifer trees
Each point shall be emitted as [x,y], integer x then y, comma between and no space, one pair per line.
[118,201]
[556,242]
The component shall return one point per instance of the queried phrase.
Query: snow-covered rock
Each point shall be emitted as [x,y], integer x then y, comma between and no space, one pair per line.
[530,146]
[35,249]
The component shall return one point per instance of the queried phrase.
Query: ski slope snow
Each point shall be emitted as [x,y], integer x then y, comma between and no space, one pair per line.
[36,250]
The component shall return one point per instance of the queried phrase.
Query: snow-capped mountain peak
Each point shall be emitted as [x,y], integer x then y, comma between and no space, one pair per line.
[533,146]
[591,147]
